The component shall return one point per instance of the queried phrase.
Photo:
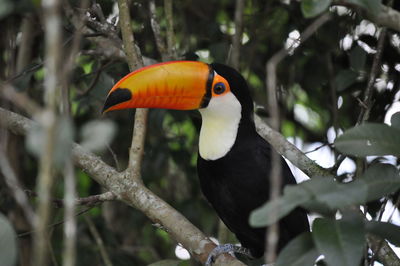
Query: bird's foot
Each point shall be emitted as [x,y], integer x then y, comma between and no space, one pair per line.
[226,248]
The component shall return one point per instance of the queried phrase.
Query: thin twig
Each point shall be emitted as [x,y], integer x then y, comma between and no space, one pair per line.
[70,62]
[23,72]
[367,99]
[155,26]
[20,99]
[85,201]
[52,25]
[99,241]
[332,90]
[117,165]
[70,225]
[237,37]
[318,148]
[13,183]
[51,249]
[382,241]
[134,61]
[337,164]
[95,79]
[170,29]
[275,177]
[70,228]
[50,226]
[25,47]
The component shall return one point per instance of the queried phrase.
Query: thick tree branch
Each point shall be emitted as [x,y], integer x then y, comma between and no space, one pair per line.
[129,186]
[383,252]
[386,17]
[131,192]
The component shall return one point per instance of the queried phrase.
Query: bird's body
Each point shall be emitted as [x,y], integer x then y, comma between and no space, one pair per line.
[237,183]
[234,161]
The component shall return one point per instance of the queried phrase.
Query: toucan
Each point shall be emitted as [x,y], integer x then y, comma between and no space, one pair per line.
[234,161]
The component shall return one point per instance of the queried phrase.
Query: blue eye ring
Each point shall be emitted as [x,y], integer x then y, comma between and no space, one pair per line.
[219,88]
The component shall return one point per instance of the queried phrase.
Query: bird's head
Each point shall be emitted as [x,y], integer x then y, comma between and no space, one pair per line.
[179,85]
[219,92]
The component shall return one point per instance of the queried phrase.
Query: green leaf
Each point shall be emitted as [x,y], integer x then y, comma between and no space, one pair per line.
[387,231]
[380,180]
[372,6]
[395,120]
[8,243]
[358,57]
[344,79]
[293,196]
[338,196]
[300,251]
[325,195]
[340,241]
[370,139]
[312,8]
[321,190]
[322,195]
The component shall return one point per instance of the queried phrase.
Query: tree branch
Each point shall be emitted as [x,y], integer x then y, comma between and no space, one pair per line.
[170,29]
[367,100]
[155,26]
[237,37]
[99,241]
[275,178]
[135,61]
[386,17]
[298,158]
[15,186]
[86,201]
[280,144]
[132,193]
[45,181]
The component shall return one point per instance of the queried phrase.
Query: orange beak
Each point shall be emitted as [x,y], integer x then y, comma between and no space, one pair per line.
[180,85]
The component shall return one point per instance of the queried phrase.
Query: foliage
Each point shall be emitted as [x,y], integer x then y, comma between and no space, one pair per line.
[322,83]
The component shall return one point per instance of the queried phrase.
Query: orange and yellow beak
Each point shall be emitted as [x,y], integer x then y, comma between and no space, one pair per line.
[180,85]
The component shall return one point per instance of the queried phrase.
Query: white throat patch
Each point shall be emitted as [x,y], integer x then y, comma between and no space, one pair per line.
[220,123]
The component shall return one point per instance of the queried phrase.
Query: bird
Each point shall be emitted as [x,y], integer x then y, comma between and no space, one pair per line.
[233,159]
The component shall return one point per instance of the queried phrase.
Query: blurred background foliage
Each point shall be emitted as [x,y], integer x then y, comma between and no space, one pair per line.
[320,85]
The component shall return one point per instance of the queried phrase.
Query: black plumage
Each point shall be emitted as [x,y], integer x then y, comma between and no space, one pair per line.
[234,173]
[238,182]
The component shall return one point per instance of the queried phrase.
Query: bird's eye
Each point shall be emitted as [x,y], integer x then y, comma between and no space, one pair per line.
[219,88]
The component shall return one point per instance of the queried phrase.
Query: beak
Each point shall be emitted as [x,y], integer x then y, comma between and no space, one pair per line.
[180,85]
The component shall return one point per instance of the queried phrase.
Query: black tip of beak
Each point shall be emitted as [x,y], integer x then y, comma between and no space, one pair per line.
[117,96]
